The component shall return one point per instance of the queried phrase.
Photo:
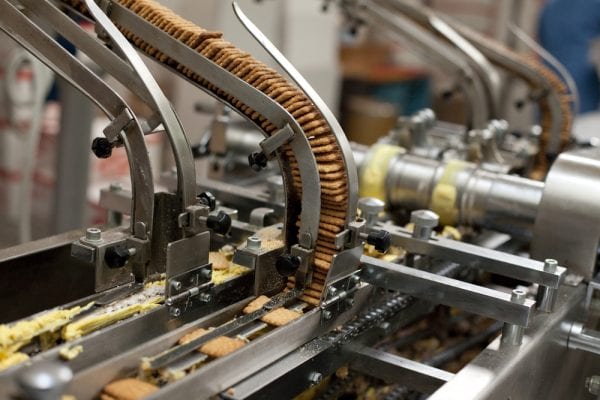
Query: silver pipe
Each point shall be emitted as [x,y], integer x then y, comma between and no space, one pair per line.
[492,200]
[584,339]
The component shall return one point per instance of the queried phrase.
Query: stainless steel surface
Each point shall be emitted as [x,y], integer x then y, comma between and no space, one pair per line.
[567,226]
[584,339]
[45,381]
[497,201]
[395,369]
[447,291]
[512,335]
[497,262]
[529,371]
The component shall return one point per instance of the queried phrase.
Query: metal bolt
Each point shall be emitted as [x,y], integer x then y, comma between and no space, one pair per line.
[385,326]
[592,384]
[424,221]
[331,291]
[205,297]
[370,207]
[355,279]
[253,243]
[176,285]
[93,234]
[175,312]
[550,265]
[350,302]
[546,296]
[327,314]
[206,273]
[513,334]
[315,378]
[45,380]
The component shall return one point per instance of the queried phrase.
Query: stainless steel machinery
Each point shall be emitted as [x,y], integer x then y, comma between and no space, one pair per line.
[390,272]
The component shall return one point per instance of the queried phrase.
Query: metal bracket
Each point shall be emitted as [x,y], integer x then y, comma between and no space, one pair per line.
[271,144]
[339,297]
[304,273]
[119,124]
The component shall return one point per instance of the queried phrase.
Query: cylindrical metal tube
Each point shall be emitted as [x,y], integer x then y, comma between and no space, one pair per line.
[584,339]
[469,194]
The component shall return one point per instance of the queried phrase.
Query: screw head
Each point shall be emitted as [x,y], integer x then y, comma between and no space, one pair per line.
[174,312]
[315,378]
[518,296]
[93,234]
[327,314]
[370,205]
[550,265]
[205,297]
[253,243]
[424,218]
[176,285]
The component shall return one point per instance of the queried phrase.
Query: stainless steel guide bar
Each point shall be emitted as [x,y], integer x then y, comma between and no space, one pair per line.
[447,291]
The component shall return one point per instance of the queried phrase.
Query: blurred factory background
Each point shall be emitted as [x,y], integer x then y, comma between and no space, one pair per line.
[367,78]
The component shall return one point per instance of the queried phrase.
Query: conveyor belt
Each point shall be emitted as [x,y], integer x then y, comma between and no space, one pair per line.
[330,163]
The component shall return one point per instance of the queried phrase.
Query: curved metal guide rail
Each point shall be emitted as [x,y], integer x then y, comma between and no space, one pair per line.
[24,31]
[186,172]
[247,94]
[476,59]
[401,28]
[293,73]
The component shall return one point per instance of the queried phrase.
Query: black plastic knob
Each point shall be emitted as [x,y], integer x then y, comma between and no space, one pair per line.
[381,240]
[208,199]
[101,147]
[287,264]
[116,256]
[219,223]
[257,161]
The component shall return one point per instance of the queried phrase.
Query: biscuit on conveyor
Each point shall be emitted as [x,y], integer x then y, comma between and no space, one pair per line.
[280,317]
[127,389]
[192,335]
[256,304]
[218,260]
[221,346]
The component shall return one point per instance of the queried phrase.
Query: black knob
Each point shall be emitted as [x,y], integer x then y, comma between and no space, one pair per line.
[287,264]
[101,147]
[219,223]
[116,256]
[381,239]
[208,199]
[257,161]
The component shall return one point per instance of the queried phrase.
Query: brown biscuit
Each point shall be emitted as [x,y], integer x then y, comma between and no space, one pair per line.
[324,265]
[192,335]
[256,304]
[280,317]
[221,346]
[311,300]
[129,389]
[218,260]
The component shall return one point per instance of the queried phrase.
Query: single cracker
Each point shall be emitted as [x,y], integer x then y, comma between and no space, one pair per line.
[280,317]
[256,304]
[129,389]
[221,346]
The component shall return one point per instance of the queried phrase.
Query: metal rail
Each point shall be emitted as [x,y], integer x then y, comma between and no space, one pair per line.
[29,35]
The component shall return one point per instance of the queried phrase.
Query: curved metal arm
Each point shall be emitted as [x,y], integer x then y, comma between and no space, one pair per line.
[293,73]
[186,171]
[530,43]
[247,94]
[486,72]
[43,47]
[403,29]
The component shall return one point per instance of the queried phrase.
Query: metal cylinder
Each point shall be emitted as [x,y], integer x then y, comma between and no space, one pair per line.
[488,199]
[584,339]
